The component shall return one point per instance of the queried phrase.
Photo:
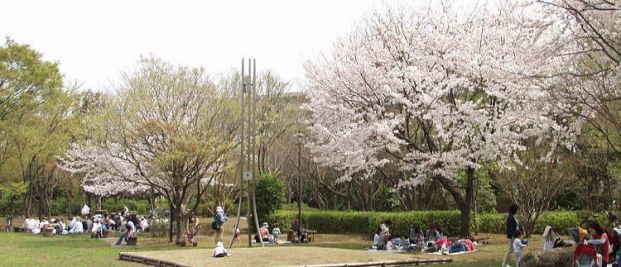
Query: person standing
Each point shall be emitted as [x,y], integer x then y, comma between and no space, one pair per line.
[518,245]
[513,227]
[220,218]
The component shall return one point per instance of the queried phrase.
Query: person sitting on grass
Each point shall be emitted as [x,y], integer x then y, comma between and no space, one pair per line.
[296,227]
[276,233]
[264,231]
[433,235]
[96,231]
[550,238]
[76,226]
[377,239]
[417,239]
[385,233]
[220,251]
[130,230]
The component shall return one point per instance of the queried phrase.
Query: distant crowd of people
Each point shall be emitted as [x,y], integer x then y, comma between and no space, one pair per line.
[97,225]
[431,240]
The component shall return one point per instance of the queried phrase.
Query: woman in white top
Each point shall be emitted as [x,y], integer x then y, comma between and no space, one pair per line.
[549,238]
[96,230]
[76,226]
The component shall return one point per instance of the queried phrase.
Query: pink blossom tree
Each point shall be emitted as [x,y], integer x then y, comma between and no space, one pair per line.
[434,91]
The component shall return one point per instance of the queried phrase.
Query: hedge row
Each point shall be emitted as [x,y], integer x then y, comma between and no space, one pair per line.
[449,221]
[362,222]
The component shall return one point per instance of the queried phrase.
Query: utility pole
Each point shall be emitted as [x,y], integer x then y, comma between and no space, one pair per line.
[299,184]
[247,157]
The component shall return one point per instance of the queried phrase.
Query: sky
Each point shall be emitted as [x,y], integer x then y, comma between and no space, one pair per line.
[94,41]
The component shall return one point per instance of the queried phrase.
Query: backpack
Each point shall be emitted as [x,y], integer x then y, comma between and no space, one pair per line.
[214,225]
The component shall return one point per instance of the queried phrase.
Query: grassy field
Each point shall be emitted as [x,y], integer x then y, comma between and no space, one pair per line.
[21,249]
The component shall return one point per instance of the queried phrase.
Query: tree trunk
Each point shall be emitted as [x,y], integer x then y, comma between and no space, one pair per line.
[11,208]
[151,199]
[170,222]
[467,209]
[28,203]
[464,203]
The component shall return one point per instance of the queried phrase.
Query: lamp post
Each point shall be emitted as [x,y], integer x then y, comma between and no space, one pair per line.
[299,141]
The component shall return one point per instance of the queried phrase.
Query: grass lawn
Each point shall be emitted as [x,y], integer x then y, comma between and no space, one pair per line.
[21,249]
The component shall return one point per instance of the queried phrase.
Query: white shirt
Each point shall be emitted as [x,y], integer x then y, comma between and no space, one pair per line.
[376,240]
[77,228]
[548,244]
[517,245]
[219,250]
[96,227]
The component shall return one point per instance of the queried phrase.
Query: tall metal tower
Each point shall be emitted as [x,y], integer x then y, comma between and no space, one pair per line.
[247,156]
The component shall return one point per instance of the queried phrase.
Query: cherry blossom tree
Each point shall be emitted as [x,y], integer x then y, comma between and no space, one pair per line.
[434,91]
[103,173]
[168,129]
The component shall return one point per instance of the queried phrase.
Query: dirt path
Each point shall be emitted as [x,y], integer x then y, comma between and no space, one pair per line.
[274,256]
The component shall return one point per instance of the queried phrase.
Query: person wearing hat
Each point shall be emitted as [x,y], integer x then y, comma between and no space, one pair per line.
[220,218]
[220,251]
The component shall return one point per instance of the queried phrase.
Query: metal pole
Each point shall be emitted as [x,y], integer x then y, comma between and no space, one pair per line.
[252,136]
[241,155]
[246,79]
[299,185]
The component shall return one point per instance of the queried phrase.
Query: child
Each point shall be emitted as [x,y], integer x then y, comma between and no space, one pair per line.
[276,233]
[517,248]
[220,251]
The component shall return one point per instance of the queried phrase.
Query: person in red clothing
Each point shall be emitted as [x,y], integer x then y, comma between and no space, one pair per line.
[599,238]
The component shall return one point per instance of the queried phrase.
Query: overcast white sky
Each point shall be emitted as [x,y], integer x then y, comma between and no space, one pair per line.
[95,40]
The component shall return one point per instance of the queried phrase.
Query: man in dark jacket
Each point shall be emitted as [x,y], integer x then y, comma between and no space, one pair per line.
[512,229]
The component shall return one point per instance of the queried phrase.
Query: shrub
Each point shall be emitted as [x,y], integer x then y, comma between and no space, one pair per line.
[270,194]
[367,222]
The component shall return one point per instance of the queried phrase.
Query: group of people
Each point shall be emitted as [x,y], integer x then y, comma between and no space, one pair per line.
[268,236]
[97,225]
[431,240]
[607,243]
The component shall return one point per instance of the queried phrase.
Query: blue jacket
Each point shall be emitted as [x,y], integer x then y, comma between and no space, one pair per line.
[220,219]
[512,226]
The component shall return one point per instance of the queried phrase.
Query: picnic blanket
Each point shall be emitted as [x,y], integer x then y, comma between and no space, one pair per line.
[454,253]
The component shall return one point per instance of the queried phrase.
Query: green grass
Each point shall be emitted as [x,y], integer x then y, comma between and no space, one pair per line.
[21,249]
[480,263]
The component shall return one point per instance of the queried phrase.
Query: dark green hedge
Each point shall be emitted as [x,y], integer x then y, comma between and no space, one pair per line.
[367,222]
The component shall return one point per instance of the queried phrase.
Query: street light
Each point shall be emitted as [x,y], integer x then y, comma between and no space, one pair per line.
[299,143]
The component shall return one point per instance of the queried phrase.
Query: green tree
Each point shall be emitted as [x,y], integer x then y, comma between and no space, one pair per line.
[270,191]
[37,120]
